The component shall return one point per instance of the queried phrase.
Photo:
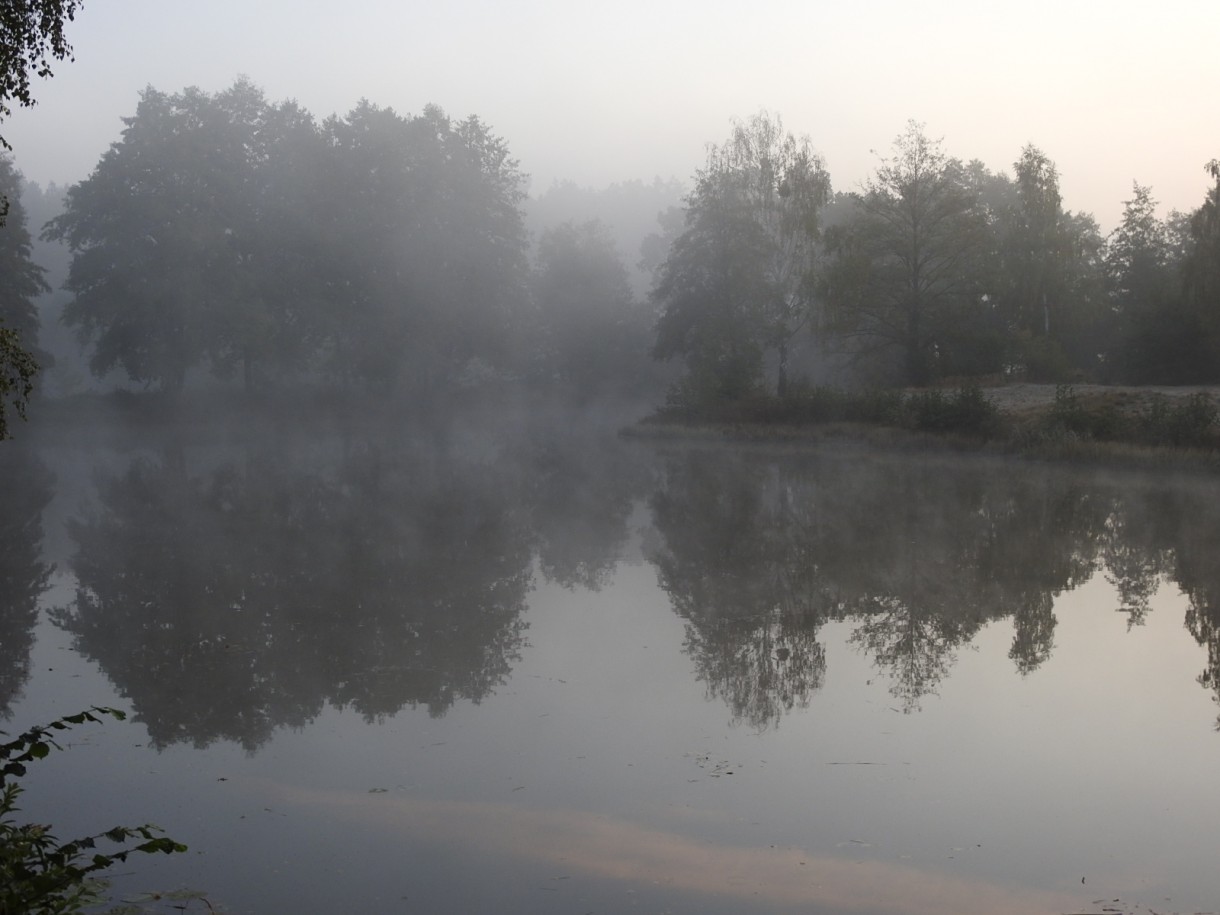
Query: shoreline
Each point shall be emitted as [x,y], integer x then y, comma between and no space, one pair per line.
[1029,426]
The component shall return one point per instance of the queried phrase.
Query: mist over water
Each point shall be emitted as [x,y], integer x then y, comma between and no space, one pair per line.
[524,665]
[388,491]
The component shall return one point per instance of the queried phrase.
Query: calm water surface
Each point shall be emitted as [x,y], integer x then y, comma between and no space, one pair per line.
[563,673]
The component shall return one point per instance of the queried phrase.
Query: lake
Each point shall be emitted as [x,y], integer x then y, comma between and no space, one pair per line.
[527,670]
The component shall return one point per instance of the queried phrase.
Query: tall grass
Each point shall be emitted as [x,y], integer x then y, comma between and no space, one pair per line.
[1072,427]
[964,411]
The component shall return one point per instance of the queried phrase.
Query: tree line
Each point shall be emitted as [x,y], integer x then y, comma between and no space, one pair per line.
[759,554]
[935,268]
[279,578]
[227,235]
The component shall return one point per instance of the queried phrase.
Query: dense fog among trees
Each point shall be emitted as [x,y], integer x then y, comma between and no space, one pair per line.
[232,237]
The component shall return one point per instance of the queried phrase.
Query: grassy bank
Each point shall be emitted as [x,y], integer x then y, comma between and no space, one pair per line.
[1110,427]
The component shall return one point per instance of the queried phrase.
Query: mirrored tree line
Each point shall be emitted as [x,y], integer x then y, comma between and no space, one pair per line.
[225,600]
[916,557]
[228,595]
[25,490]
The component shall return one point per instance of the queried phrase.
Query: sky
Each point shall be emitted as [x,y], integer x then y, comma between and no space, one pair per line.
[1114,92]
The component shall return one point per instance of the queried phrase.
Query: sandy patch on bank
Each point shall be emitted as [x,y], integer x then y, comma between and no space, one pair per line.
[1025,397]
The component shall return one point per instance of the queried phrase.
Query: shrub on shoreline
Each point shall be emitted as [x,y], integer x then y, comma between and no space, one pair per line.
[1071,424]
[40,873]
[966,410]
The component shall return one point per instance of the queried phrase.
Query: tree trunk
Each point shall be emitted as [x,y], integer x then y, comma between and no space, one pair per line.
[916,367]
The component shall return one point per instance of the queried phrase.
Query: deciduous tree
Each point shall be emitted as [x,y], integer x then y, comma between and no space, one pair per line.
[21,281]
[1138,255]
[1048,286]
[31,38]
[1201,266]
[1032,243]
[1158,341]
[427,247]
[739,282]
[710,289]
[145,229]
[908,266]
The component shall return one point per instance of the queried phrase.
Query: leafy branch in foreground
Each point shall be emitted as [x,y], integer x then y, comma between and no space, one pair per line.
[39,873]
[31,36]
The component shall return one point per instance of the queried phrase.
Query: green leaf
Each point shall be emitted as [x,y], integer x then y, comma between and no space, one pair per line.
[164,845]
[36,867]
[185,894]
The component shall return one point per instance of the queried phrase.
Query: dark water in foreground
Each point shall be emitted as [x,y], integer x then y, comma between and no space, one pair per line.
[562,673]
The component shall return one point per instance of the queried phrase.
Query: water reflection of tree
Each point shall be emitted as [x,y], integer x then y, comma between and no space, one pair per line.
[1040,534]
[1141,542]
[1203,622]
[581,490]
[1197,572]
[227,598]
[25,490]
[918,556]
[752,618]
[228,601]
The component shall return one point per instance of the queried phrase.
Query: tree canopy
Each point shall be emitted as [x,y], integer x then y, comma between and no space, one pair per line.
[31,39]
[225,234]
[738,282]
[223,230]
[907,276]
[21,281]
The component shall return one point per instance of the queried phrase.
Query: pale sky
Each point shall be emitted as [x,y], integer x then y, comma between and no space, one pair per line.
[1112,91]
